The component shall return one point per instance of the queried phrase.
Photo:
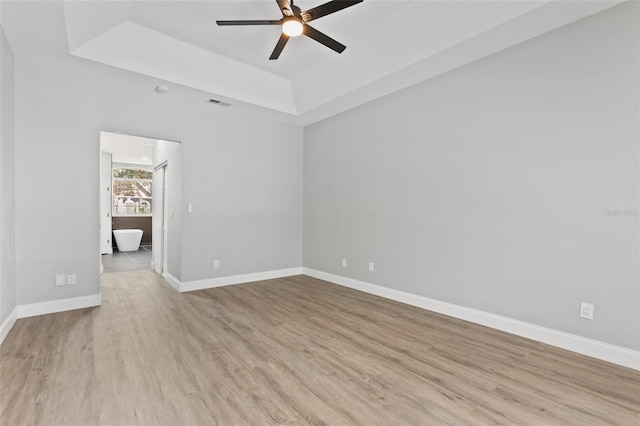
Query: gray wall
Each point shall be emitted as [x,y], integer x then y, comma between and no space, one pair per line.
[7,181]
[242,173]
[488,186]
[245,184]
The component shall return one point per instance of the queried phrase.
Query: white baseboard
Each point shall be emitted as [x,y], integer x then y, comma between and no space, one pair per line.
[173,281]
[60,305]
[8,323]
[231,280]
[594,348]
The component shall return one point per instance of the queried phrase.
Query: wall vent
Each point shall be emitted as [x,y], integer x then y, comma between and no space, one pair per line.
[219,102]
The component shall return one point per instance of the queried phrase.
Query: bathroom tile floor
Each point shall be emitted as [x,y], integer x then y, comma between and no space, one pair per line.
[127,260]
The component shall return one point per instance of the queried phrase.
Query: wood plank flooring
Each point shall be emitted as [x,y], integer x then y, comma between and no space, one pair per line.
[291,351]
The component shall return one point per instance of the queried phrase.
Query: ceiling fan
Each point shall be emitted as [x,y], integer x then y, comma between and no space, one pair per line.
[295,22]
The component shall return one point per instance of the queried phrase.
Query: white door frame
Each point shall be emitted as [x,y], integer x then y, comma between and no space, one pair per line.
[159,227]
[106,245]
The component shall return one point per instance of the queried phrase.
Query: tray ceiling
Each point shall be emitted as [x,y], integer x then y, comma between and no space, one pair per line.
[390,44]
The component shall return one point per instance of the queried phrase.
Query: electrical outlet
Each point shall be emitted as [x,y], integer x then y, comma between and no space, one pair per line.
[371,267]
[60,280]
[344,263]
[216,264]
[586,310]
[71,279]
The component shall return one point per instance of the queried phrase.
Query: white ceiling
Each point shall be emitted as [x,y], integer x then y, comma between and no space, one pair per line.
[390,44]
[127,149]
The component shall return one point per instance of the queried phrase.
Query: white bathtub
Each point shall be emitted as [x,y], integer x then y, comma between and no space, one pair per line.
[128,239]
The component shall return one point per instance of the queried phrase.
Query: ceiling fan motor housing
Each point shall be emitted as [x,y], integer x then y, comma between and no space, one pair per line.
[295,22]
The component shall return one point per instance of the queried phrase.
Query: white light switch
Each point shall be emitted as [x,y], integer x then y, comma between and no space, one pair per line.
[189,208]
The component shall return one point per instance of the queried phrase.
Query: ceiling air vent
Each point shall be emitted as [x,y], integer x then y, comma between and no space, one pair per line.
[219,102]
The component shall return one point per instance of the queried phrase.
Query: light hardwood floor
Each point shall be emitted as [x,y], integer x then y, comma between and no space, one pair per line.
[291,351]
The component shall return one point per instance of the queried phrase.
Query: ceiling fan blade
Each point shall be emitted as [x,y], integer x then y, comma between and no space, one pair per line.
[285,7]
[323,38]
[254,22]
[282,41]
[327,8]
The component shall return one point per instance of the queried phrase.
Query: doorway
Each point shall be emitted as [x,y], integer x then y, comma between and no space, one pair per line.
[134,199]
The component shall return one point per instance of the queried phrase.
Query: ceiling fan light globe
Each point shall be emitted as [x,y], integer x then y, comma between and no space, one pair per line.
[292,27]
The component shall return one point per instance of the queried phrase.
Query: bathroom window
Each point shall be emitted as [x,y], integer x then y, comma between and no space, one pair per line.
[131,192]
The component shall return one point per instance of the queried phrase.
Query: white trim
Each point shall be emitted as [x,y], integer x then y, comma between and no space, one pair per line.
[60,305]
[173,281]
[594,348]
[8,323]
[161,165]
[234,279]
